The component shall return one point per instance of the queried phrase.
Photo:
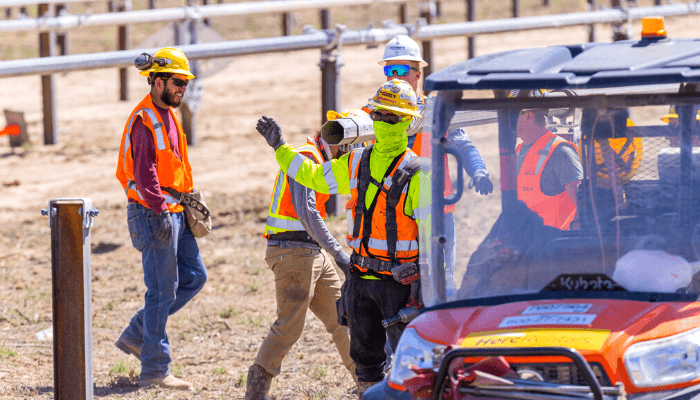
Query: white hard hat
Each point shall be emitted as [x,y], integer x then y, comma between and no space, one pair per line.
[652,271]
[402,47]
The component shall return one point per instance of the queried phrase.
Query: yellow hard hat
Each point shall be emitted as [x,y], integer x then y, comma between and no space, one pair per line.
[352,112]
[167,60]
[673,114]
[396,95]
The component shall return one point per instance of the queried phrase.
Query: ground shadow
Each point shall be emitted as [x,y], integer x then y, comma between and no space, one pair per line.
[119,385]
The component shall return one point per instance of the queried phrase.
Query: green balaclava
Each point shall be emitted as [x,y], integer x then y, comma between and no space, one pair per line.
[391,138]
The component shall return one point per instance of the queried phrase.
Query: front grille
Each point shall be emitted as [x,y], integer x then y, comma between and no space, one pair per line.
[564,373]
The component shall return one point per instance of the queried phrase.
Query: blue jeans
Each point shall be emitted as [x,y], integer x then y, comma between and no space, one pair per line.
[173,273]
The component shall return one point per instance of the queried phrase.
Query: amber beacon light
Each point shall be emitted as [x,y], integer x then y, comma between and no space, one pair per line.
[653,28]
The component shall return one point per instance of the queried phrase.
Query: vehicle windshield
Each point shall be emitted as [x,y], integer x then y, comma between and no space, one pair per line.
[594,190]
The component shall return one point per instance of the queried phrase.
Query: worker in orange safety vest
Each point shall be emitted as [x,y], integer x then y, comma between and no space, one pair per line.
[549,170]
[155,173]
[384,207]
[298,249]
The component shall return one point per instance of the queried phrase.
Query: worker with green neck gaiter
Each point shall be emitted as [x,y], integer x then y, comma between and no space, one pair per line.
[382,224]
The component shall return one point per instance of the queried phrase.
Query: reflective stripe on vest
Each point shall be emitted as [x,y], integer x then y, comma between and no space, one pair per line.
[172,172]
[377,245]
[168,198]
[558,210]
[281,216]
[157,126]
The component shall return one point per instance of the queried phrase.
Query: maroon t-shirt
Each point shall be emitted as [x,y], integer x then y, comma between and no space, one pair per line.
[143,150]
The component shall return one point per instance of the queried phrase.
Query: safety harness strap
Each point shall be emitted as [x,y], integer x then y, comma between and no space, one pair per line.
[362,189]
[400,178]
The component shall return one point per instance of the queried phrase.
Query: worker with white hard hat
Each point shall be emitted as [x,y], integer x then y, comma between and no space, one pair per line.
[402,60]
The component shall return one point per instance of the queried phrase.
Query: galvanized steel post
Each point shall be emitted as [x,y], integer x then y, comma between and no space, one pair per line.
[287,24]
[331,62]
[471,16]
[123,39]
[403,13]
[62,38]
[591,28]
[46,49]
[427,11]
[70,221]
[195,89]
[620,29]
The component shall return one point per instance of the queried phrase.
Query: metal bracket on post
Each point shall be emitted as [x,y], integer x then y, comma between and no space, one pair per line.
[88,211]
[331,62]
[70,221]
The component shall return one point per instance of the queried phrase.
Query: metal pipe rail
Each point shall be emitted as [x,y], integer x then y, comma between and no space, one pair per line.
[25,3]
[64,22]
[313,39]
[553,21]
[319,39]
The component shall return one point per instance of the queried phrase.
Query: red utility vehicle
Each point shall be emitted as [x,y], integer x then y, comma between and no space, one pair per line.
[607,309]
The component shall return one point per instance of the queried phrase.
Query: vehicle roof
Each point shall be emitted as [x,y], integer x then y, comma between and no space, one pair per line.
[580,66]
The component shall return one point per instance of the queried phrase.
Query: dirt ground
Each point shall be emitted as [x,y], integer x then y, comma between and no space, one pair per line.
[216,336]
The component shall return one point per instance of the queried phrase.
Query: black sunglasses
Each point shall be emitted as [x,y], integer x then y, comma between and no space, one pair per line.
[181,83]
[388,118]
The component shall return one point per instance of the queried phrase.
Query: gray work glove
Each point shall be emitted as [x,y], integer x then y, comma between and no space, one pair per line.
[342,259]
[164,229]
[271,131]
[481,182]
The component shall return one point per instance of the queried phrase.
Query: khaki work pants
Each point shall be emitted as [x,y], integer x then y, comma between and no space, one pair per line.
[304,279]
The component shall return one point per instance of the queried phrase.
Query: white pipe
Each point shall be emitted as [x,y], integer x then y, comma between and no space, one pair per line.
[24,3]
[67,21]
[552,21]
[320,39]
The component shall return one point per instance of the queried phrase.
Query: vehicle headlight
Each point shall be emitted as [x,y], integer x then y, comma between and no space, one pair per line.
[413,350]
[664,361]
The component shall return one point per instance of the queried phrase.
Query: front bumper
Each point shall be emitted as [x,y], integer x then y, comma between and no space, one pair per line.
[383,391]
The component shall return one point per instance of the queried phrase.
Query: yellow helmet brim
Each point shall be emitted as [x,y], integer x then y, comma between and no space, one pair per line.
[399,110]
[188,74]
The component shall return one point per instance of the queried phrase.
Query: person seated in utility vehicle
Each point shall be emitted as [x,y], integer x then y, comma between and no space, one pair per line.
[549,170]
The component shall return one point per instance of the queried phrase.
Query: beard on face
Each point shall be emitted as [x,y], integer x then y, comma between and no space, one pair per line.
[169,98]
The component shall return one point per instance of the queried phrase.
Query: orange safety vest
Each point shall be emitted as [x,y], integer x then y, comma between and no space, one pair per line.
[376,245]
[282,217]
[557,211]
[172,172]
[421,146]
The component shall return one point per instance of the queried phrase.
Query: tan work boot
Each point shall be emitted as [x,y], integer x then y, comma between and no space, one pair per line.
[128,348]
[258,383]
[166,382]
[363,386]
